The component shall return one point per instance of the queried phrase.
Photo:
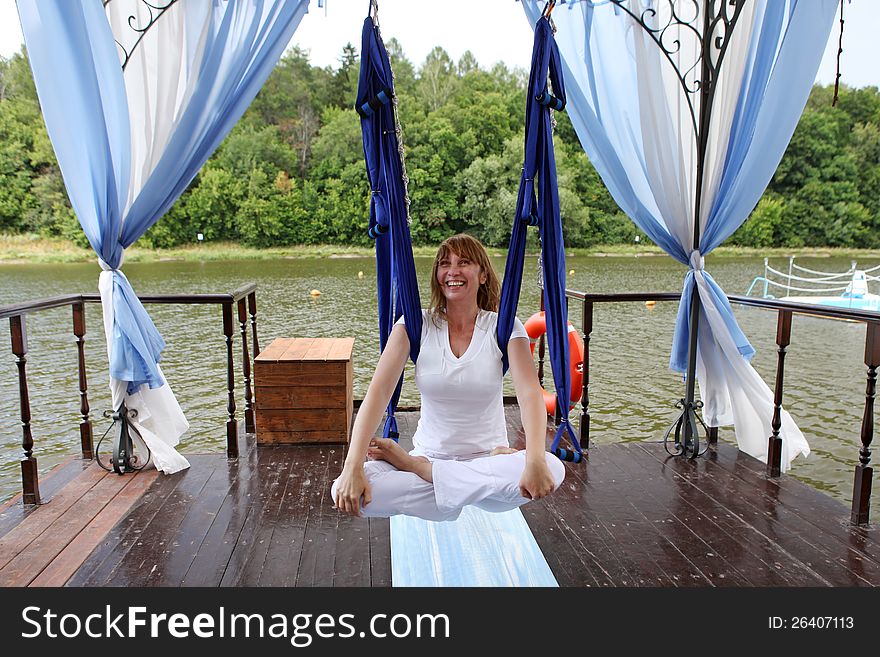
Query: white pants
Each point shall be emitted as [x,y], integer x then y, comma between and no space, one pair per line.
[488,482]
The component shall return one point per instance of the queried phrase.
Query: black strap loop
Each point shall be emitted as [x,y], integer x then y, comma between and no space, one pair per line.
[568,455]
[375,103]
[551,101]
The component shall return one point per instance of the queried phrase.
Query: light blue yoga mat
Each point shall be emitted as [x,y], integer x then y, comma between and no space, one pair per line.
[478,549]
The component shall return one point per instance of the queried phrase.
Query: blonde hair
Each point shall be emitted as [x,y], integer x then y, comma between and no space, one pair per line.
[465,246]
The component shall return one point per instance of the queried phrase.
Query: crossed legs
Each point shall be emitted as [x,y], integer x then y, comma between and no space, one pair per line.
[437,490]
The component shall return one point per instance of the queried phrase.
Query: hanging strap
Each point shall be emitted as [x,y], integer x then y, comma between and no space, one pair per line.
[398,291]
[539,205]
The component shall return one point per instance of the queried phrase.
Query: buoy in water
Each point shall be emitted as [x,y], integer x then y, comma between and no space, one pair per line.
[360,274]
[650,303]
[315,293]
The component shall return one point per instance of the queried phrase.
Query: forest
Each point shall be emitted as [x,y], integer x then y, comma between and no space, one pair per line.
[292,170]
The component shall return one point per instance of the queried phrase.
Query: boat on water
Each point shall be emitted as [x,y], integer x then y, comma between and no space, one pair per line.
[816,287]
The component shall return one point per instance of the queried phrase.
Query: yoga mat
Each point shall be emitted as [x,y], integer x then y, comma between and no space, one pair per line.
[477,549]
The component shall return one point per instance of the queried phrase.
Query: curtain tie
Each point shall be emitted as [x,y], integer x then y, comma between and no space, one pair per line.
[105,267]
[696,260]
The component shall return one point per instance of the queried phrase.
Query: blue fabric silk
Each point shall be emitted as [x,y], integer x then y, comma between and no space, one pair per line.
[80,84]
[398,289]
[539,169]
[604,99]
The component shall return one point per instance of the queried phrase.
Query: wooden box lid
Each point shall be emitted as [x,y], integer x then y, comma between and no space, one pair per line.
[307,349]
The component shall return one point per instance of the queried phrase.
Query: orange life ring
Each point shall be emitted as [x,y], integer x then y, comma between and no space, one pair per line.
[536,326]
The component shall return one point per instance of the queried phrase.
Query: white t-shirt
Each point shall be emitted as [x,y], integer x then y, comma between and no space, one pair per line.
[462,413]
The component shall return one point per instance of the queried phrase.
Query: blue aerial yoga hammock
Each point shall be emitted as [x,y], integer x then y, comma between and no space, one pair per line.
[398,288]
[398,292]
[539,175]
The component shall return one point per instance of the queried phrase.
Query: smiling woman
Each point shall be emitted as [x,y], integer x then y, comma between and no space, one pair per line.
[461,454]
[462,265]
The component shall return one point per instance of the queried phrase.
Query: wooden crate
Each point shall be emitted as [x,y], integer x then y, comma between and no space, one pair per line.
[303,391]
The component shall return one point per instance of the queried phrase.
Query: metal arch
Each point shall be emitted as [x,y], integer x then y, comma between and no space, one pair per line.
[700,75]
[156,8]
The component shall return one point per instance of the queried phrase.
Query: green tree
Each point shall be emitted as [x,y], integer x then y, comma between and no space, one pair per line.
[404,71]
[760,229]
[437,79]
[337,144]
[248,147]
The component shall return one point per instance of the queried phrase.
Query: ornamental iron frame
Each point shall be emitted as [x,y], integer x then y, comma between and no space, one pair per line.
[156,9]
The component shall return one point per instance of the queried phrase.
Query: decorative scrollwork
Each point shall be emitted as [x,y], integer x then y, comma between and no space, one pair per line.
[140,25]
[706,27]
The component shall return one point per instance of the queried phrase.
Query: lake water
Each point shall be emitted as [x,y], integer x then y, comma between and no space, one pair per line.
[632,391]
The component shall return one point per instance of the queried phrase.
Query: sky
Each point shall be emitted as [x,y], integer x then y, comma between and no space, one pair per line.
[496,30]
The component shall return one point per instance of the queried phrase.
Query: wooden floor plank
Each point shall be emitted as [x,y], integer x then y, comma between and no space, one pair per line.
[662,500]
[249,558]
[174,557]
[352,559]
[759,559]
[570,564]
[97,566]
[574,541]
[380,552]
[827,514]
[831,541]
[318,554]
[12,511]
[606,486]
[352,554]
[31,527]
[288,534]
[161,537]
[793,534]
[68,561]
[612,516]
[40,552]
[215,552]
[144,534]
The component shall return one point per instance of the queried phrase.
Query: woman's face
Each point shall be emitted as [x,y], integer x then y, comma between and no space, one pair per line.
[459,277]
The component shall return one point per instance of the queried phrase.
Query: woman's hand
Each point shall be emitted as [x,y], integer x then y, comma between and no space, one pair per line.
[536,481]
[351,486]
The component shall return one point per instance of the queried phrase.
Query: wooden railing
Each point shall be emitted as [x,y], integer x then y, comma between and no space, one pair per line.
[240,304]
[784,310]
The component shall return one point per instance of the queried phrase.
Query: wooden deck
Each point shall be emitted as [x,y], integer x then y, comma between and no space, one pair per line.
[629,516]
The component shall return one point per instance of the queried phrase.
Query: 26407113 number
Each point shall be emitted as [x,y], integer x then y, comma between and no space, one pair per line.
[822,622]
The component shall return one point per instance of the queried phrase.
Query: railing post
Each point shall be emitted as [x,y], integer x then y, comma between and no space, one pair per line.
[85,424]
[774,445]
[863,475]
[713,436]
[246,368]
[252,309]
[231,424]
[30,480]
[585,389]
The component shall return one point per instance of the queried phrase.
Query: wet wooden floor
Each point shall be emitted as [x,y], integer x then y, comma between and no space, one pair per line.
[629,516]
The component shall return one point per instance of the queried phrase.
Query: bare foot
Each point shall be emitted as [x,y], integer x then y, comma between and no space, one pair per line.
[503,450]
[385,449]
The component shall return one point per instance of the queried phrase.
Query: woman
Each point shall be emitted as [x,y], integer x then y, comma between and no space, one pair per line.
[461,453]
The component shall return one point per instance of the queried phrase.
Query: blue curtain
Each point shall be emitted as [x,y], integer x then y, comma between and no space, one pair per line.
[79,80]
